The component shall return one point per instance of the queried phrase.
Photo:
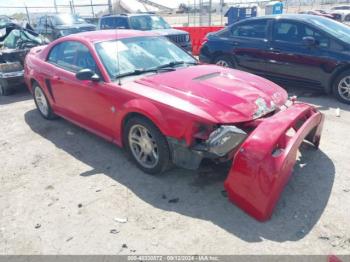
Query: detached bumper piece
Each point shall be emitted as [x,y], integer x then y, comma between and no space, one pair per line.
[265,160]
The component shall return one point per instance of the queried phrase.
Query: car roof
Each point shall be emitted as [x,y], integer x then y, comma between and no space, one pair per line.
[299,17]
[129,15]
[107,35]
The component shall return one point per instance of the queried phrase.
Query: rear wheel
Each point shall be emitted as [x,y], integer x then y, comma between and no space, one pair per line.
[42,103]
[146,145]
[224,61]
[341,87]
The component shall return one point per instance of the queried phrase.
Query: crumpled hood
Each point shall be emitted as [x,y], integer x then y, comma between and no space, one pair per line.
[227,95]
[170,31]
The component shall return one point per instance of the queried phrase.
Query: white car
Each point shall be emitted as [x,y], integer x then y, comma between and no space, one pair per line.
[342,12]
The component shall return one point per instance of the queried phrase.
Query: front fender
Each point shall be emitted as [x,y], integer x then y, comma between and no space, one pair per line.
[145,108]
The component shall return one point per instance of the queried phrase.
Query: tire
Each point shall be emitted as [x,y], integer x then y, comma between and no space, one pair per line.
[4,89]
[152,142]
[341,87]
[41,102]
[224,61]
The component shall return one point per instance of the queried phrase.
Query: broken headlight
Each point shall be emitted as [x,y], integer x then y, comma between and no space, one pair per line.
[224,139]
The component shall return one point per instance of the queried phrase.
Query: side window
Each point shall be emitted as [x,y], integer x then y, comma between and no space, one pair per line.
[72,56]
[49,20]
[286,31]
[321,40]
[54,54]
[254,29]
[114,22]
[107,23]
[42,20]
[121,23]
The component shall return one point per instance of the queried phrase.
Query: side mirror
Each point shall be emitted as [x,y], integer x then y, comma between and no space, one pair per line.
[87,74]
[309,41]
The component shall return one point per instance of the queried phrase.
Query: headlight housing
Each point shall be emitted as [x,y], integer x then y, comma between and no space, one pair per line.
[224,139]
[12,69]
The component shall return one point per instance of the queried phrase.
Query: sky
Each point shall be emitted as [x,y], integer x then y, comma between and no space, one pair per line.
[171,3]
[38,3]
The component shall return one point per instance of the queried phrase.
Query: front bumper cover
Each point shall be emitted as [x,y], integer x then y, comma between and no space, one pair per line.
[258,174]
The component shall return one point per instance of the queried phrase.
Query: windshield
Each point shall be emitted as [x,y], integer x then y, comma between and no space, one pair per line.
[141,53]
[148,22]
[336,29]
[67,19]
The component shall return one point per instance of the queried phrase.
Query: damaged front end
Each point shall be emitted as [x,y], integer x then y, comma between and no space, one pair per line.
[220,144]
[263,151]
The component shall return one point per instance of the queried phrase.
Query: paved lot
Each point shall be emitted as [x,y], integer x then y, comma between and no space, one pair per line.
[62,189]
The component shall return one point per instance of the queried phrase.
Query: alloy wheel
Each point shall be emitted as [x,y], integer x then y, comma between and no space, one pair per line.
[344,88]
[143,147]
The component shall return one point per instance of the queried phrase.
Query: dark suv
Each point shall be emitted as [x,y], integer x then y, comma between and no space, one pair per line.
[144,22]
[57,25]
[305,50]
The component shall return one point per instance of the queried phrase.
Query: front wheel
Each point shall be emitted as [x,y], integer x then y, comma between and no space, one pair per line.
[341,87]
[146,145]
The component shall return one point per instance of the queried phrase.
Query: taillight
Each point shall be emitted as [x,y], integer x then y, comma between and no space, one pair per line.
[204,40]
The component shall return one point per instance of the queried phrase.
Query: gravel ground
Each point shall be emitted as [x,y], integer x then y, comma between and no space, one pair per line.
[66,191]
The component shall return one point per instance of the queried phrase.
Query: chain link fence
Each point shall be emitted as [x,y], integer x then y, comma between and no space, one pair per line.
[189,13]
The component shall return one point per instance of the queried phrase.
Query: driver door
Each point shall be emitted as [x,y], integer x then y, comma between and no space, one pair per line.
[291,59]
[83,101]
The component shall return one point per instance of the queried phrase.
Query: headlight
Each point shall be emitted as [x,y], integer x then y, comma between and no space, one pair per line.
[225,139]
[10,67]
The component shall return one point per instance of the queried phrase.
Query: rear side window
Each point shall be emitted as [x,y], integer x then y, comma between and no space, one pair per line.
[72,56]
[54,54]
[113,22]
[254,29]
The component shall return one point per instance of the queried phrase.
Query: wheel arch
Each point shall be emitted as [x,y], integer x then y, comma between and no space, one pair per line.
[144,109]
[32,81]
[338,71]
[217,54]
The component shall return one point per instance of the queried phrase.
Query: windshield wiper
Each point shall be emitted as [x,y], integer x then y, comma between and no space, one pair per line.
[175,63]
[166,67]
[143,71]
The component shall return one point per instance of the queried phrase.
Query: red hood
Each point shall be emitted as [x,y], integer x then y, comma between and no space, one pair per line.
[227,95]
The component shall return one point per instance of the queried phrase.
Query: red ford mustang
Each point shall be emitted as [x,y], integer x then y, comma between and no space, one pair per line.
[142,92]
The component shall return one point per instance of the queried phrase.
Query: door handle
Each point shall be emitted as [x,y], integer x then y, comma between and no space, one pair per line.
[274,50]
[235,43]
